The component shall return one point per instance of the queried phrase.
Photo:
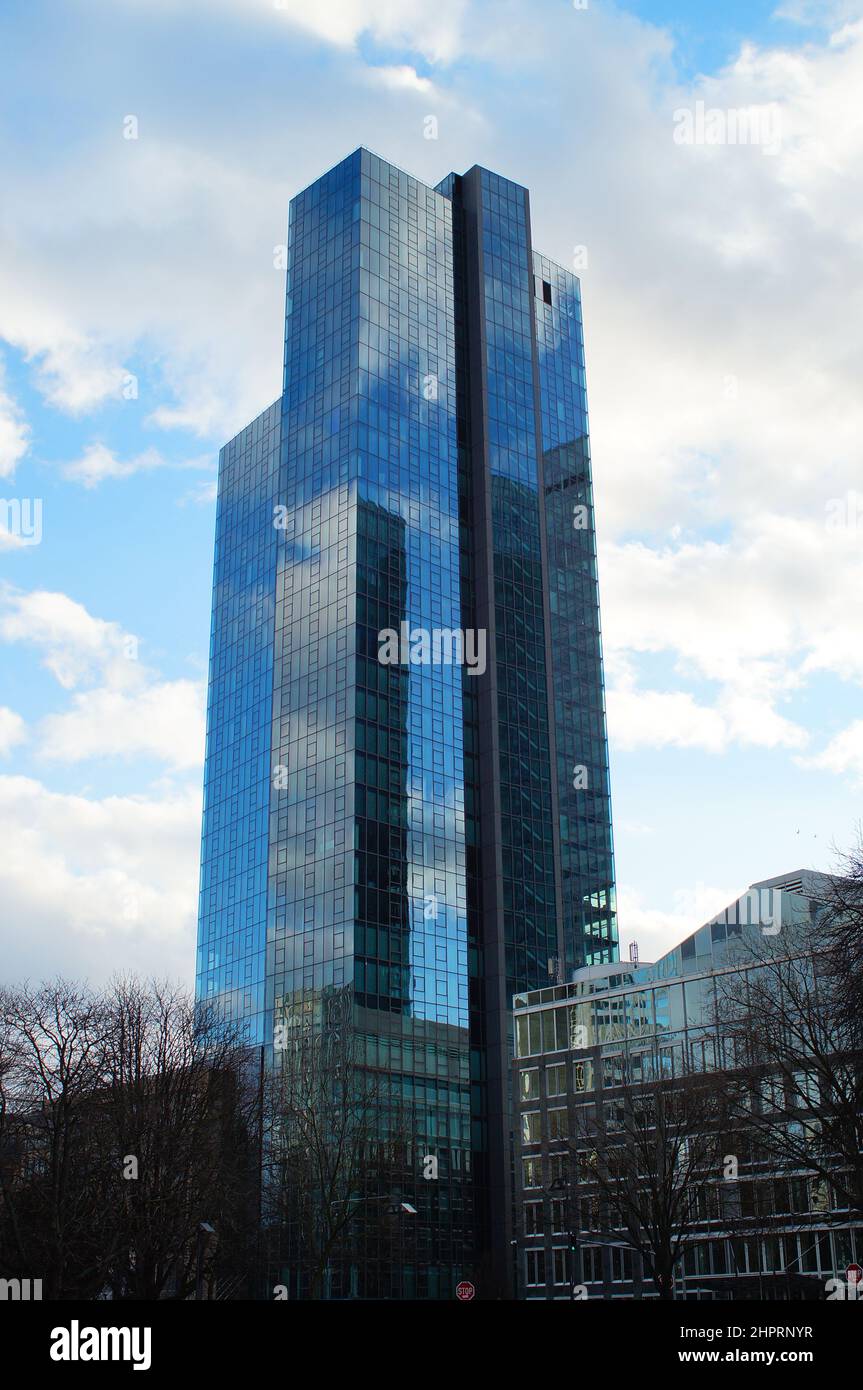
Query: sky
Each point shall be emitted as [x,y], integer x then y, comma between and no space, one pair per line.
[148,152]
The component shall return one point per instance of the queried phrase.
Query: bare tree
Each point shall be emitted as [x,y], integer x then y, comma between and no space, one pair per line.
[794,1071]
[647,1161]
[180,1111]
[339,1157]
[841,941]
[127,1122]
[54,1221]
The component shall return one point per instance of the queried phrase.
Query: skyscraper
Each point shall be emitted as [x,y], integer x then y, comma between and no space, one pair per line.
[406,788]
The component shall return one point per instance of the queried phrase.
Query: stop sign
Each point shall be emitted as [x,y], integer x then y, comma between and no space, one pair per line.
[854,1273]
[465,1291]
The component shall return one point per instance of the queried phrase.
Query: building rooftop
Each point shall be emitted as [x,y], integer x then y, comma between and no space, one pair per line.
[760,911]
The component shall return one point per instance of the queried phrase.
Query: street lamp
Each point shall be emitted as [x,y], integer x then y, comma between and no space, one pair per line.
[389,1206]
[204,1232]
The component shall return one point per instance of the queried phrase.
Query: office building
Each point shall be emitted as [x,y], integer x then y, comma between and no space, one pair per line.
[767,1225]
[407,812]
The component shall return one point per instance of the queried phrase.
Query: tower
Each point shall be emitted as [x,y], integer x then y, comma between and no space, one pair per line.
[420,827]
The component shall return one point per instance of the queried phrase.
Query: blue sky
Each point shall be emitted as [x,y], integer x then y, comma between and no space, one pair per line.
[140,326]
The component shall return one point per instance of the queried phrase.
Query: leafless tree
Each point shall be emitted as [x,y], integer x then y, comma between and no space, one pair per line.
[648,1160]
[339,1162]
[180,1112]
[127,1119]
[841,933]
[794,1067]
[52,1167]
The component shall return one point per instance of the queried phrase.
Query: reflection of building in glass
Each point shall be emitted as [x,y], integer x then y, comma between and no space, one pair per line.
[232,926]
[583,1049]
[414,834]
[383,930]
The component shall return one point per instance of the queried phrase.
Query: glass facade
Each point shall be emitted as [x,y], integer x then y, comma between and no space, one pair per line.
[232,925]
[622,1025]
[587,863]
[390,829]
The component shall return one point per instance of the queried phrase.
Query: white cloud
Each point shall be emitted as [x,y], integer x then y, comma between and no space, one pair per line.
[657,931]
[14,433]
[843,754]
[728,410]
[75,646]
[163,720]
[110,883]
[12,730]
[166,251]
[203,495]
[752,721]
[93,886]
[76,374]
[120,707]
[734,265]
[434,31]
[722,304]
[639,718]
[98,462]
[403,77]
[135,214]
[754,616]
[818,12]
[660,719]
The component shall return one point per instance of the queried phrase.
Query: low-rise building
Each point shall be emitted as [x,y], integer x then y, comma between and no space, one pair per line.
[584,1049]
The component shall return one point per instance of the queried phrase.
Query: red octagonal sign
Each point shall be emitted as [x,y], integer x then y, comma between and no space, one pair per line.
[854,1274]
[465,1291]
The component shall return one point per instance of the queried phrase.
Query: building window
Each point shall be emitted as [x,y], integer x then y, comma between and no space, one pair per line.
[591,1264]
[612,1074]
[588,1208]
[558,1127]
[772,1093]
[531,1131]
[534,1267]
[805,1089]
[641,1067]
[558,1216]
[582,1076]
[808,1253]
[531,1169]
[560,1258]
[533,1218]
[555,1079]
[533,1033]
[615,1117]
[557,1167]
[621,1266]
[546,292]
[529,1084]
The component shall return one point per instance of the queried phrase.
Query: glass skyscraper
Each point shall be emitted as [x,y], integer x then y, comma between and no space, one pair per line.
[406,789]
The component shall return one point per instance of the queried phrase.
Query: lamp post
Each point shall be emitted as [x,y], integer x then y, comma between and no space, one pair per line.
[204,1232]
[389,1206]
